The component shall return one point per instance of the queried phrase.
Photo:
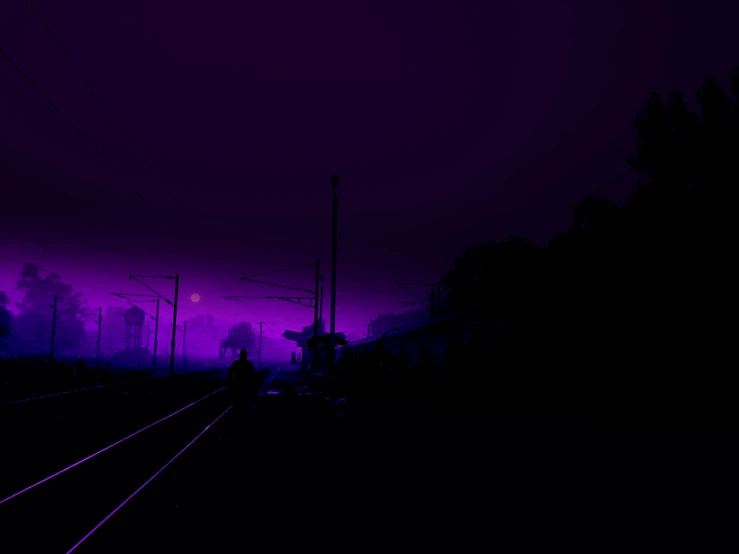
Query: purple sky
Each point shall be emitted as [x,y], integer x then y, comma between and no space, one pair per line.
[450,124]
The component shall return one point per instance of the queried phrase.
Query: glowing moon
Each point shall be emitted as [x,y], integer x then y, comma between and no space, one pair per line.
[195,297]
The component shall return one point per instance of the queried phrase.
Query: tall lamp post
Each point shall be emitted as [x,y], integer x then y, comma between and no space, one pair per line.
[334,235]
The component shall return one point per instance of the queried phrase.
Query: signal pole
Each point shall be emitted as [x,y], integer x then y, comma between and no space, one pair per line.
[174,323]
[100,326]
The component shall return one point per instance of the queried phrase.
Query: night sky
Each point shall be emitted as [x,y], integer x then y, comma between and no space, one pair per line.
[450,124]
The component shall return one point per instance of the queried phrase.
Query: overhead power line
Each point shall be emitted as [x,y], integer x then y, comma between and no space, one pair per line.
[74,281]
[66,55]
[279,270]
[110,113]
[73,125]
[138,194]
[93,266]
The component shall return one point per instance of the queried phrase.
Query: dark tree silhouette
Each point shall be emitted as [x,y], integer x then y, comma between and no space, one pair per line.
[6,323]
[32,327]
[619,316]
[240,336]
[499,277]
[6,318]
[633,291]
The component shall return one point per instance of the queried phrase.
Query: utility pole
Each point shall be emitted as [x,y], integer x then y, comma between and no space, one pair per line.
[184,341]
[315,310]
[320,314]
[156,336]
[315,317]
[174,322]
[307,301]
[368,329]
[434,306]
[100,327]
[330,358]
[259,352]
[53,327]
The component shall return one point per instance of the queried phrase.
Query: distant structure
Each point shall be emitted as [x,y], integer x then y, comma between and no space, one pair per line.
[114,330]
[304,340]
[135,318]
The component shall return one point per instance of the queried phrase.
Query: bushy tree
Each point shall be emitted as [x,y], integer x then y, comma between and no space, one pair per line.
[240,336]
[32,327]
[6,323]
[6,318]
[499,277]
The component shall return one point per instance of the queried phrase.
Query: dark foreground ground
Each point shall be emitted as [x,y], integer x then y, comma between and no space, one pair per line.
[424,484]
[287,474]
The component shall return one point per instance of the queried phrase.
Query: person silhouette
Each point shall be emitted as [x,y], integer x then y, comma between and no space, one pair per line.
[241,380]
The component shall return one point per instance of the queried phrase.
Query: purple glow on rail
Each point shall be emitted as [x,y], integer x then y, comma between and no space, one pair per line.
[83,539]
[107,447]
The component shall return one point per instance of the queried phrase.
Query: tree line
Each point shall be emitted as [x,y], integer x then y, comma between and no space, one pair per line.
[628,309]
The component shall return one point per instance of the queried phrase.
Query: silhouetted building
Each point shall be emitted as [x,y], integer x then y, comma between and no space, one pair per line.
[304,340]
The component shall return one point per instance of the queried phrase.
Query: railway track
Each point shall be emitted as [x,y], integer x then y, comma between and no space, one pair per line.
[255,473]
[212,477]
[62,478]
[118,385]
[40,437]
[63,510]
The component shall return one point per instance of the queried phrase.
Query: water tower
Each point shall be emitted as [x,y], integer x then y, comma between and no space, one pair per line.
[135,318]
